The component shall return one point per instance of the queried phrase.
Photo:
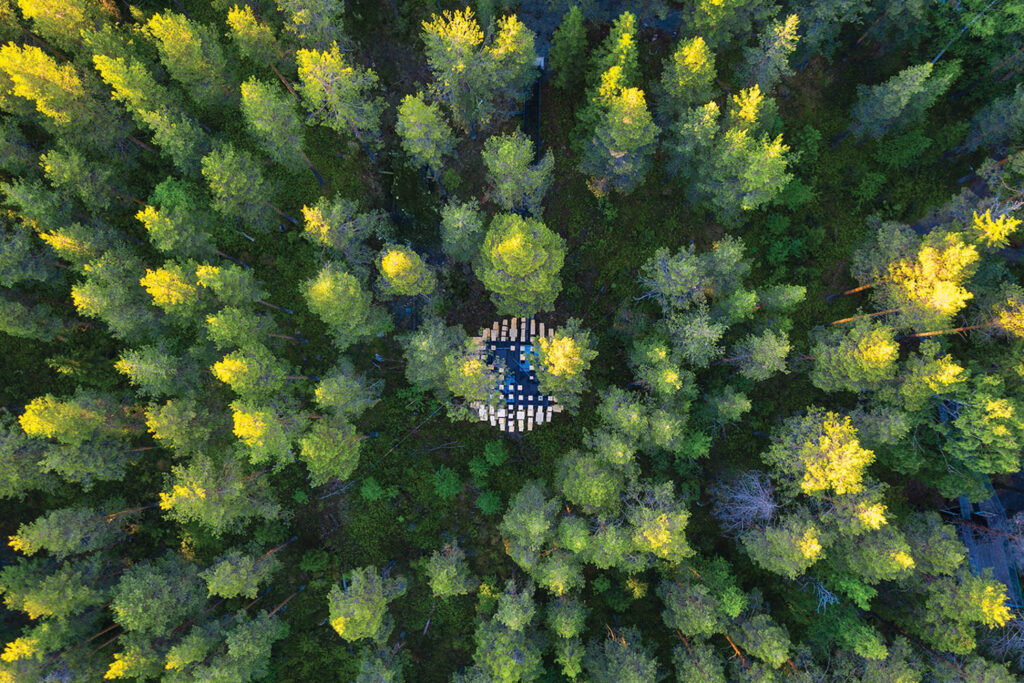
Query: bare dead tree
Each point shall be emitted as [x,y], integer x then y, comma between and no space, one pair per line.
[745,502]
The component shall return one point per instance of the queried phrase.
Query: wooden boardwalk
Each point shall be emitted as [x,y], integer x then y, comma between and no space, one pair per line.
[507,347]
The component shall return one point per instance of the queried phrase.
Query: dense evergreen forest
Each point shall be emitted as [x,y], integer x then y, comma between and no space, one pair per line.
[249,415]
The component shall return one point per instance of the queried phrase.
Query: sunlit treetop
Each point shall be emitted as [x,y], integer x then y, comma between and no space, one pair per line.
[74,420]
[62,21]
[925,374]
[452,36]
[360,611]
[994,232]
[254,39]
[252,371]
[192,55]
[562,354]
[339,94]
[403,272]
[1009,312]
[928,289]
[689,74]
[56,89]
[820,454]
[173,288]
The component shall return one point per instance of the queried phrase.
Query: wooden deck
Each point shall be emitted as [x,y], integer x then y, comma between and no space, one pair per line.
[522,407]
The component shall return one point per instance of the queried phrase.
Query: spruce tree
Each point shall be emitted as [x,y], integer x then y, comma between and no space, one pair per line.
[517,183]
[568,50]
[426,136]
[520,262]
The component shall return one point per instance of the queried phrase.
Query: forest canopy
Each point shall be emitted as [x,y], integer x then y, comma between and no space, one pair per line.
[516,340]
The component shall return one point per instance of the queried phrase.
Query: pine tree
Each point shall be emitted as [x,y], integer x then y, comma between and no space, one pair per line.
[504,655]
[360,611]
[761,356]
[745,172]
[344,393]
[156,372]
[403,272]
[658,520]
[217,496]
[238,573]
[697,662]
[19,458]
[763,638]
[64,532]
[153,597]
[177,134]
[857,358]
[330,449]
[563,361]
[254,40]
[193,56]
[253,372]
[520,262]
[619,49]
[80,418]
[927,374]
[469,378]
[273,121]
[448,572]
[988,431]
[820,453]
[426,136]
[174,289]
[462,230]
[997,124]
[339,225]
[618,154]
[590,483]
[723,21]
[238,188]
[528,523]
[232,285]
[38,322]
[477,82]
[687,78]
[179,425]
[42,591]
[901,100]
[60,94]
[235,327]
[339,299]
[425,352]
[620,658]
[340,95]
[313,24]
[517,183]
[268,431]
[62,21]
[177,222]
[568,50]
[71,173]
[768,63]
[566,617]
[691,141]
